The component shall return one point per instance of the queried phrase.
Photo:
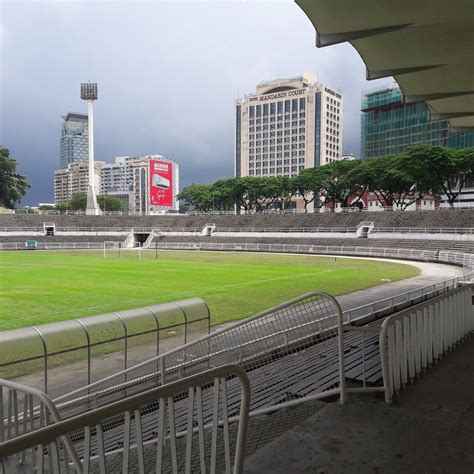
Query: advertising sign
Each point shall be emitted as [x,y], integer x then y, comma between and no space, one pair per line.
[161,183]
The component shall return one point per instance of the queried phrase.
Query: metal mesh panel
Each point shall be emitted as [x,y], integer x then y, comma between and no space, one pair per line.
[304,328]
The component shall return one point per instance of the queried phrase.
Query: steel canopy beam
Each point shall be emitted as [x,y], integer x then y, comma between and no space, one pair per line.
[337,38]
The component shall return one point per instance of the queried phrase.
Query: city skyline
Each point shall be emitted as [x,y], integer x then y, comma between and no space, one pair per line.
[169,77]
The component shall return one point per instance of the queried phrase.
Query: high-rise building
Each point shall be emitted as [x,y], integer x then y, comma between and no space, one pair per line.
[389,126]
[288,125]
[155,184]
[116,179]
[117,176]
[74,143]
[74,179]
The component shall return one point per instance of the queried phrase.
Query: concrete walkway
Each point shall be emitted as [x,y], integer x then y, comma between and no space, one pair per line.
[430,273]
[430,430]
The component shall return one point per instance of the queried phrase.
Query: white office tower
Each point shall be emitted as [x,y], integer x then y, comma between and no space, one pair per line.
[117,180]
[288,125]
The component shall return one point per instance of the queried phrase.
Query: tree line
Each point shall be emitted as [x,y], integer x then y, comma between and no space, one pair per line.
[78,202]
[396,180]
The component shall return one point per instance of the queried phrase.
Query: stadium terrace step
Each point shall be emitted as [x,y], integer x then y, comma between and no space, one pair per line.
[419,219]
[388,243]
[63,238]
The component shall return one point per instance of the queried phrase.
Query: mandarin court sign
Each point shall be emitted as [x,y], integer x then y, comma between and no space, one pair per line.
[280,95]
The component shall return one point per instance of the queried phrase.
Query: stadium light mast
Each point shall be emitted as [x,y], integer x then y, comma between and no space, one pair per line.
[89,93]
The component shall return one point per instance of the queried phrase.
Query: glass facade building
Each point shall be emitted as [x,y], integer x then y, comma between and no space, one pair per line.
[389,126]
[74,142]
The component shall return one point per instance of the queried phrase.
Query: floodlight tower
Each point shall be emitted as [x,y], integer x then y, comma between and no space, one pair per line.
[89,93]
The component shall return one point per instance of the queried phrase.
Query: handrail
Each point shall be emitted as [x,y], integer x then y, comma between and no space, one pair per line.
[50,406]
[214,334]
[442,207]
[446,256]
[446,283]
[33,391]
[49,434]
[424,230]
[318,229]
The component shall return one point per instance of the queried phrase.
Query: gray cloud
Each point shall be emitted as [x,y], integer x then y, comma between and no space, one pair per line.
[168,75]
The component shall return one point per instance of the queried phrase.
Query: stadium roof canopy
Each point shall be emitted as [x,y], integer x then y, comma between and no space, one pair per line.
[426,45]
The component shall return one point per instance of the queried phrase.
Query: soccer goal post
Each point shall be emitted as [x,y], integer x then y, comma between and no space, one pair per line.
[111,247]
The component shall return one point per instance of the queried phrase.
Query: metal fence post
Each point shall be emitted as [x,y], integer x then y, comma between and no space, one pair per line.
[125,340]
[45,349]
[157,330]
[88,351]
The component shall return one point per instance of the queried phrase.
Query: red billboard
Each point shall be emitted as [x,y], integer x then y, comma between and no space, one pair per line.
[161,183]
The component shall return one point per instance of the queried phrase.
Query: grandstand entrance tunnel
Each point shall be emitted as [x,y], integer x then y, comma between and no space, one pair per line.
[139,238]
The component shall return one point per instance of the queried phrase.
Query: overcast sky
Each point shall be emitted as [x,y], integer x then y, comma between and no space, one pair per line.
[168,75]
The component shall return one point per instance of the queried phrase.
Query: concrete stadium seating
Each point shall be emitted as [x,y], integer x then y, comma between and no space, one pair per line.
[391,243]
[456,218]
[419,219]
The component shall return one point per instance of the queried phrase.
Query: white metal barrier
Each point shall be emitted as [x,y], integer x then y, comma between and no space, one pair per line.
[25,230]
[284,329]
[424,230]
[393,303]
[184,437]
[410,341]
[28,410]
[447,256]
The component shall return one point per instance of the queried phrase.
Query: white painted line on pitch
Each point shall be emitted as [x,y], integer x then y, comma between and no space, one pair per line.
[24,264]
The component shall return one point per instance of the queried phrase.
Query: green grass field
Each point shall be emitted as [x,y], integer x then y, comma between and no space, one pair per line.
[41,287]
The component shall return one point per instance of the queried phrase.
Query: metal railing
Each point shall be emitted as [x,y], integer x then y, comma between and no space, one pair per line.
[198,229]
[468,271]
[54,245]
[395,209]
[397,349]
[253,344]
[443,207]
[444,256]
[38,349]
[288,230]
[195,229]
[424,230]
[388,305]
[27,410]
[66,229]
[447,256]
[410,341]
[185,436]
[310,329]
